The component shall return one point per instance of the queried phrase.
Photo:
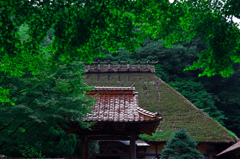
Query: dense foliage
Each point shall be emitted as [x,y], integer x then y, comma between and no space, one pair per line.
[42,103]
[181,146]
[81,27]
[48,143]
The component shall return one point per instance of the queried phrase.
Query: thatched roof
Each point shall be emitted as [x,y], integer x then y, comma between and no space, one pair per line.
[157,96]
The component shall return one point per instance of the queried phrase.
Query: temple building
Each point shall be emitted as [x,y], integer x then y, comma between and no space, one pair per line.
[129,93]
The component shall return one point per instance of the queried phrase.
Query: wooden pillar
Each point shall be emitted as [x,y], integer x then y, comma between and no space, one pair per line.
[84,147]
[156,152]
[133,146]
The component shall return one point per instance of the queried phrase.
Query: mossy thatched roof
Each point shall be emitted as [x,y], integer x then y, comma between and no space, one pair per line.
[157,96]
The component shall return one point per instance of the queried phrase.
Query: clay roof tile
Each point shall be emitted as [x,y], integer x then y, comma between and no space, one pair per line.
[117,107]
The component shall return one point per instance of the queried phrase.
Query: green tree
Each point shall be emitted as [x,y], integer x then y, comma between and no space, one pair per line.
[49,143]
[81,27]
[56,96]
[181,146]
[227,92]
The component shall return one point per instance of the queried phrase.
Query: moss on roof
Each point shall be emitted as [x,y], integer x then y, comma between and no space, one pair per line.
[157,96]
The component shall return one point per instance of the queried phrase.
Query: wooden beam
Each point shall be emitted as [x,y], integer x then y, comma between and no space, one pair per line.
[107,131]
[133,145]
[108,137]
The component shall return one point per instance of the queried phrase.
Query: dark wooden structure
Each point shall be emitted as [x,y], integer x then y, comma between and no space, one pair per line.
[117,116]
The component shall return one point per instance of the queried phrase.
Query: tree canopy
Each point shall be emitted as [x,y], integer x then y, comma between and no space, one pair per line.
[81,27]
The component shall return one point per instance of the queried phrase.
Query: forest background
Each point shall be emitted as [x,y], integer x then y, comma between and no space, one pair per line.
[41,44]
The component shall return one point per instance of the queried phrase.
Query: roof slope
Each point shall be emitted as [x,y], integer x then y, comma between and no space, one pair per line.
[157,96]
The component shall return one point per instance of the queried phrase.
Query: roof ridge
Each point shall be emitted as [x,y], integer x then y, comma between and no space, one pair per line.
[146,112]
[118,68]
[126,62]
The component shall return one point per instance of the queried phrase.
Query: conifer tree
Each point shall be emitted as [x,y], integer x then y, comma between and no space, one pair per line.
[181,146]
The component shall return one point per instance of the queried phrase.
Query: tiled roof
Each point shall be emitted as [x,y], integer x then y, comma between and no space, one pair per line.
[114,104]
[231,148]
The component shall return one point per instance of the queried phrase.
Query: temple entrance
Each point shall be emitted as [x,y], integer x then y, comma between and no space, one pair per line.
[117,116]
